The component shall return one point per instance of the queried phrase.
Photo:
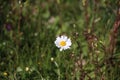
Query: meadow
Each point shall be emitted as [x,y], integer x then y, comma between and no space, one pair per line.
[31,48]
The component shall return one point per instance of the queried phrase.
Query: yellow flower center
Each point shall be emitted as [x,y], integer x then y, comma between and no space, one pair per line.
[62,43]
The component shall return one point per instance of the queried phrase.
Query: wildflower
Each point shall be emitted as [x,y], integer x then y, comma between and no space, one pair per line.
[8,26]
[5,73]
[52,59]
[63,42]
[27,69]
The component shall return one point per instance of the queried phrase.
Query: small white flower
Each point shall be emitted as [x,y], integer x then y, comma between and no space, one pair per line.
[52,59]
[63,42]
[27,68]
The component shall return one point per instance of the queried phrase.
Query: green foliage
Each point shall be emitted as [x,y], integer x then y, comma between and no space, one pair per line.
[28,29]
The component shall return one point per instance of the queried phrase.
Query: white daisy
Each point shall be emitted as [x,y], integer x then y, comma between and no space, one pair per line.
[63,42]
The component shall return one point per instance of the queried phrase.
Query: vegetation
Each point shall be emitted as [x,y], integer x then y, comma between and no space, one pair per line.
[29,28]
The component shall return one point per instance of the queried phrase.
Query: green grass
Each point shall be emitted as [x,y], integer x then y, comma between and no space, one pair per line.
[29,28]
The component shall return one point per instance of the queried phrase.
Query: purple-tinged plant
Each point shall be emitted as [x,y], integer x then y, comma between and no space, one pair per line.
[8,26]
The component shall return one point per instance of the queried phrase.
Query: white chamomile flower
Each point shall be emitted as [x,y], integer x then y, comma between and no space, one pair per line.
[63,42]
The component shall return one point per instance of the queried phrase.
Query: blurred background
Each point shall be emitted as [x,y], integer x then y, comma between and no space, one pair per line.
[28,29]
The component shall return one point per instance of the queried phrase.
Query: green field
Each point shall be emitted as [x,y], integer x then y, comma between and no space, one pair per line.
[29,28]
